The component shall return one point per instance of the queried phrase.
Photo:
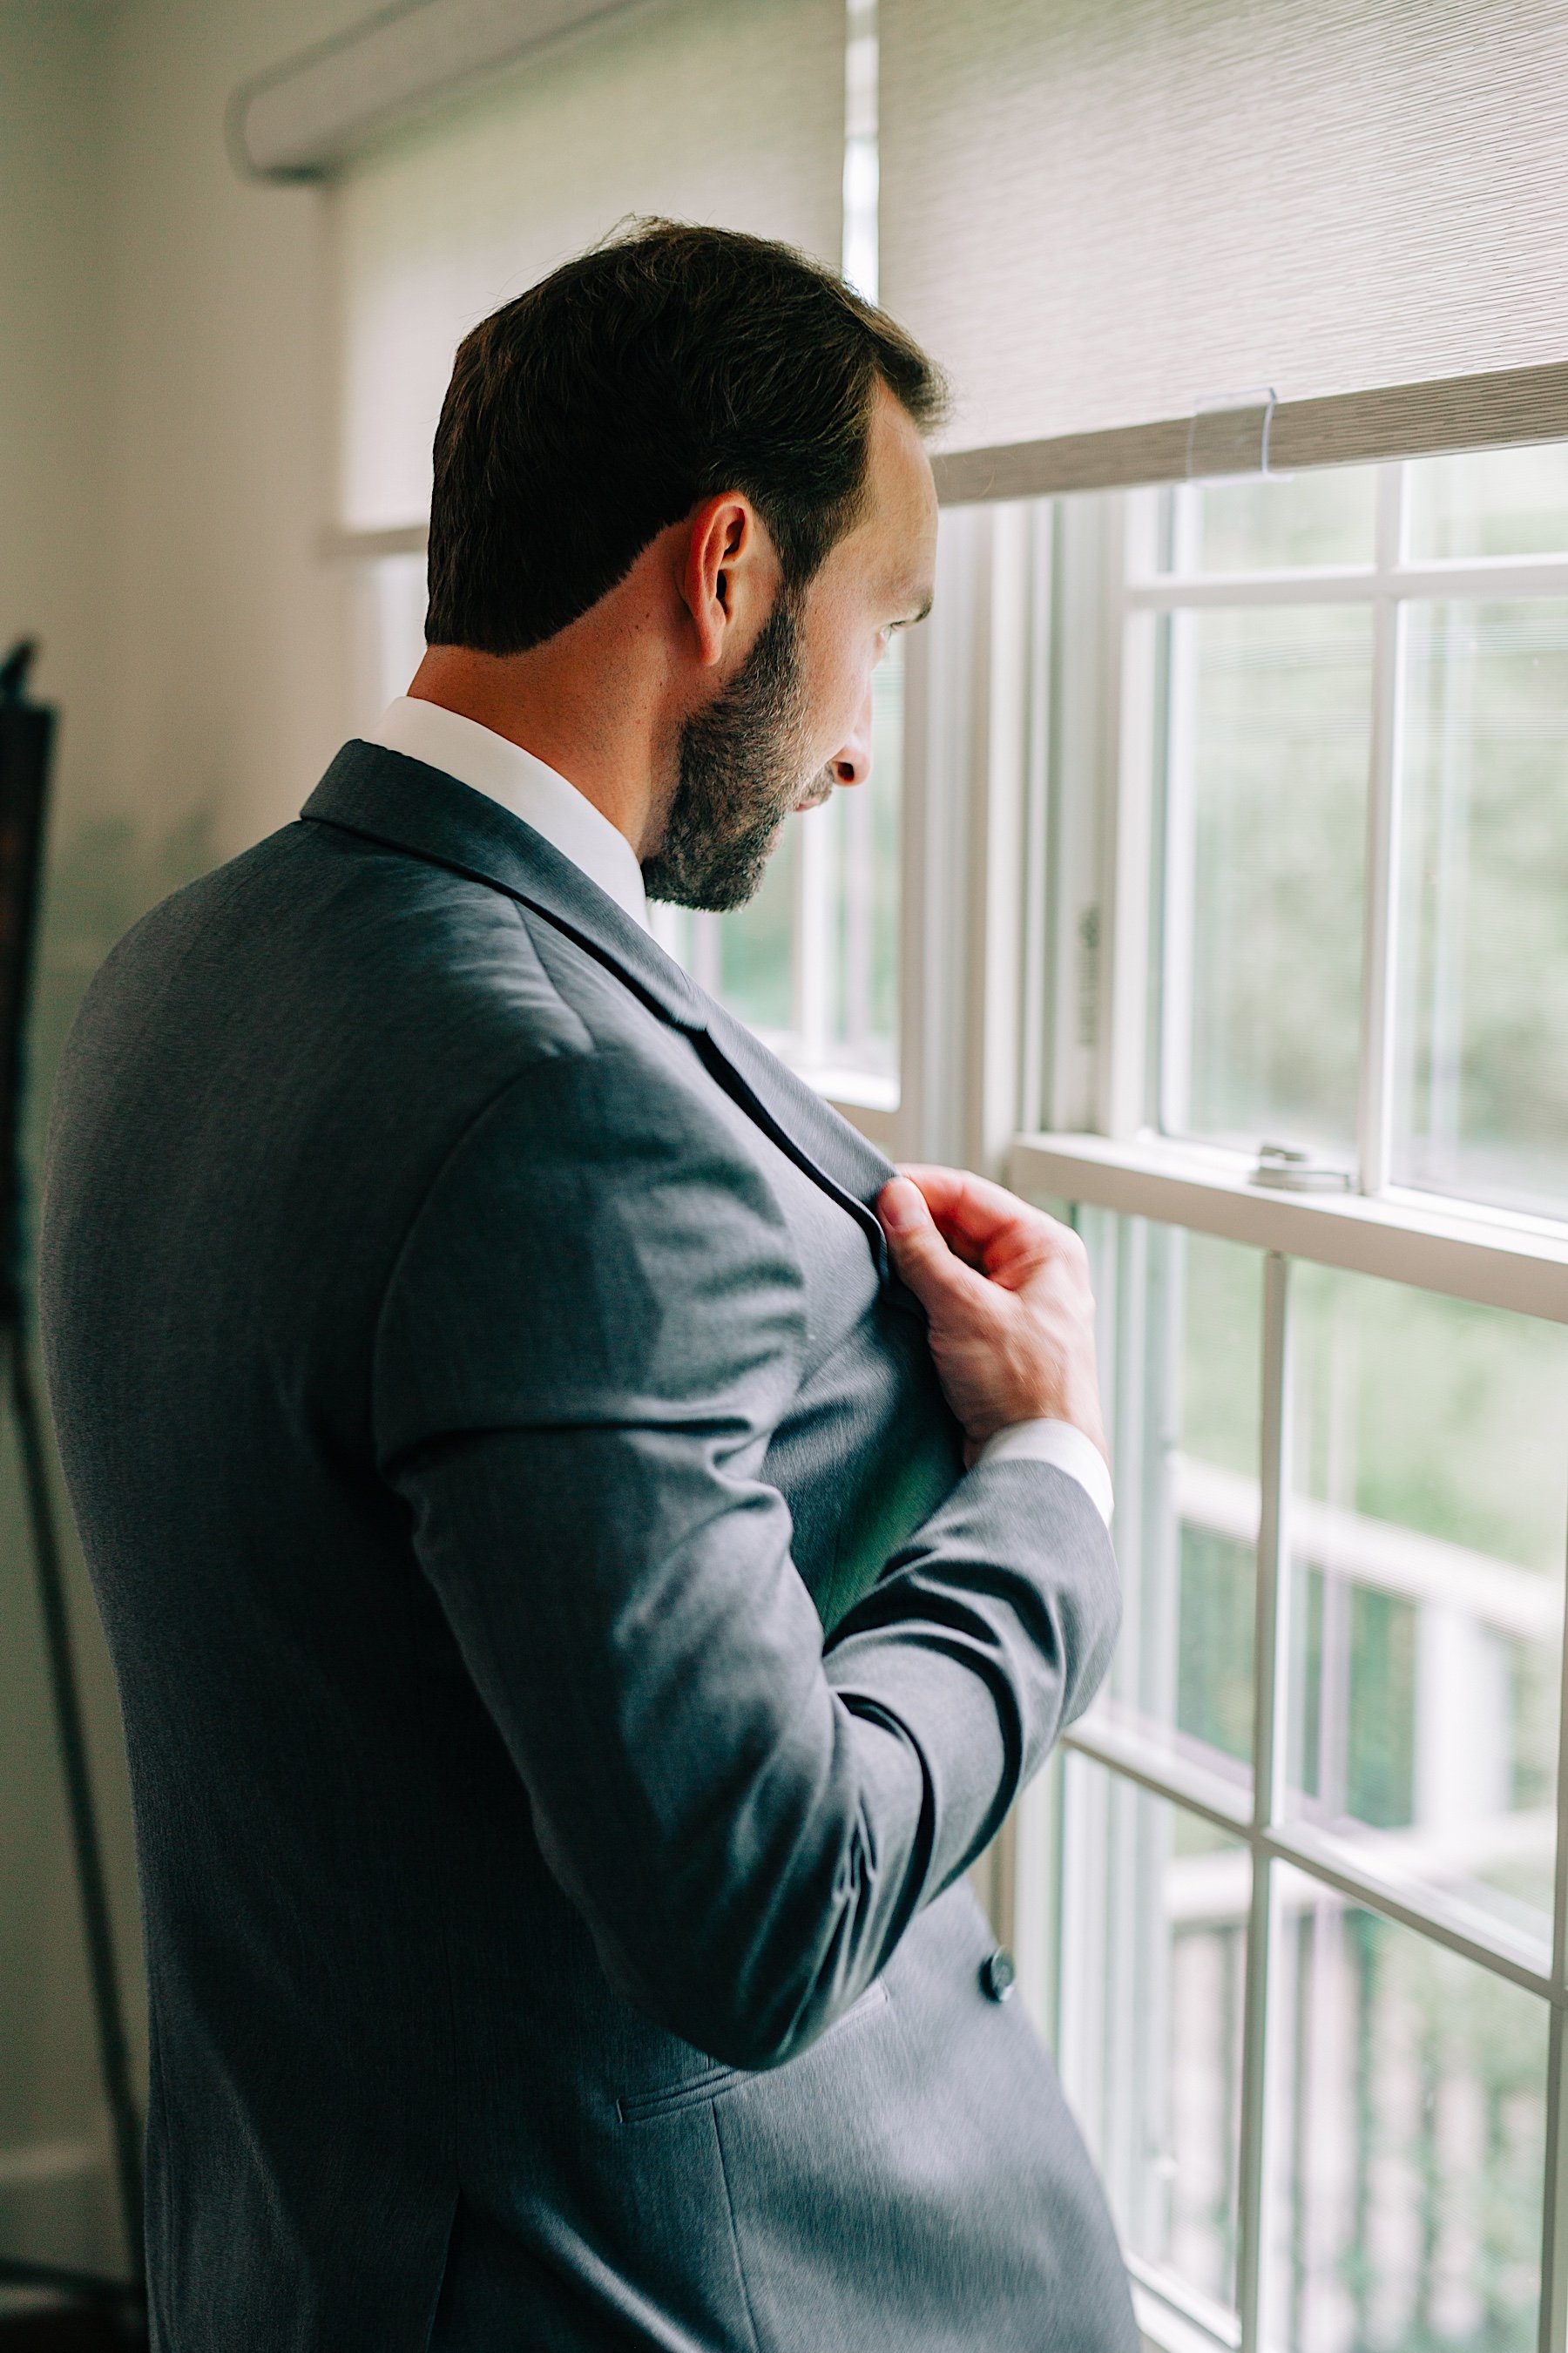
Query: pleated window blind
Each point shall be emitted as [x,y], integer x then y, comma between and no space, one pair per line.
[721,110]
[1100,215]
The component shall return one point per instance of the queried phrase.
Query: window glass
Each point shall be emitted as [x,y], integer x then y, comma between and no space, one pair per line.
[1489,502]
[1216,1492]
[756,943]
[1154,1971]
[1481,1108]
[1426,1529]
[1267,745]
[863,869]
[1181,1317]
[1409,2128]
[812,962]
[1277,523]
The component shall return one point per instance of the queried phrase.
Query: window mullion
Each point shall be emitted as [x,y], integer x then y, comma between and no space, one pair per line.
[916,895]
[1079,792]
[1554,2333]
[1036,957]
[1128,752]
[1268,1772]
[1177,945]
[1553,2322]
[999,812]
[938,764]
[1380,882]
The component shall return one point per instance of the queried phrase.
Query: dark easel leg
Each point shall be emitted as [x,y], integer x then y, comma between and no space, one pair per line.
[114,2054]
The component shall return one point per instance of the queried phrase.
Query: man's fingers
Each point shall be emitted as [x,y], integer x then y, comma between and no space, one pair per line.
[974,1206]
[923,1260]
[988,1216]
[1011,1343]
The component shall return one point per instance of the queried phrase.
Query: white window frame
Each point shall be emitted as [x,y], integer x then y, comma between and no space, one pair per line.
[1025,1025]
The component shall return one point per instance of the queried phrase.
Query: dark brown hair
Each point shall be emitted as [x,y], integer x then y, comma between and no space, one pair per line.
[663,366]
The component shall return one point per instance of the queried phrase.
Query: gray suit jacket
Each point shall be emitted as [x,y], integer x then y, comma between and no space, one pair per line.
[565,1670]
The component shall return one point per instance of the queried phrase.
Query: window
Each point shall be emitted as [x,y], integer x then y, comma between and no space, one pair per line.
[1291,1902]
[1360,681]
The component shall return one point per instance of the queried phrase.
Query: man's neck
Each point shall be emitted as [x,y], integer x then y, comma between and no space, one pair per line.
[586,719]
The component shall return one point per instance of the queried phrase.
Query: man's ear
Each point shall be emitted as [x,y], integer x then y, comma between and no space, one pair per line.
[729,577]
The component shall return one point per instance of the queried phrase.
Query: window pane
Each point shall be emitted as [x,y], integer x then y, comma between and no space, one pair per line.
[1266,756]
[1427,1534]
[1180,1347]
[1277,524]
[1482,1107]
[1489,502]
[1409,2134]
[1154,1968]
[861,881]
[756,945]
[812,962]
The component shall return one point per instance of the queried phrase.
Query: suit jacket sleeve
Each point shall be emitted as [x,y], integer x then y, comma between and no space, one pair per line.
[591,1329]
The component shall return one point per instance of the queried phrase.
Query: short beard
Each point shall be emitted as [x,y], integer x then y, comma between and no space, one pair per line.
[739,777]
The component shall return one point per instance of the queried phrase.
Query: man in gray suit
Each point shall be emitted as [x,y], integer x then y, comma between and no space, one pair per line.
[590,1559]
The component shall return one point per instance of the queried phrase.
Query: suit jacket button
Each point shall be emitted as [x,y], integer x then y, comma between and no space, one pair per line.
[997,1975]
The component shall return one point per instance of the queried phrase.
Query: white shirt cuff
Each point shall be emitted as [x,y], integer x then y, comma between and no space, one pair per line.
[1061,1443]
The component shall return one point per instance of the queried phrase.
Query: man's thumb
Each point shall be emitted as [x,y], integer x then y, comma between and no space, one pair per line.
[919,1252]
[902,1209]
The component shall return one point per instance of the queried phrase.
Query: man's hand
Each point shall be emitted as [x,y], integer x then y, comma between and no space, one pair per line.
[1006,1291]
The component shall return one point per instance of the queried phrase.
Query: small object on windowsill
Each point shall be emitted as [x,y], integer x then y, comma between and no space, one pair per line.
[1286,1170]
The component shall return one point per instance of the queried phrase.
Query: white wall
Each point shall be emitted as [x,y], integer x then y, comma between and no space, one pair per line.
[54,336]
[164,462]
[228,690]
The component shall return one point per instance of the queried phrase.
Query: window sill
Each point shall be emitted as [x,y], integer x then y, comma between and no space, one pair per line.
[1490,1256]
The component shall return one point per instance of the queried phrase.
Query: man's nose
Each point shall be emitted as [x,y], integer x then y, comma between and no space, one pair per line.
[852,764]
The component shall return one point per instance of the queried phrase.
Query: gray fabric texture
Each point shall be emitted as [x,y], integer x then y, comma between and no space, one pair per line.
[565,1667]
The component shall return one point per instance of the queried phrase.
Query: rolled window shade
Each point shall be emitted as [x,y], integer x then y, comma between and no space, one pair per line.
[701,110]
[1100,216]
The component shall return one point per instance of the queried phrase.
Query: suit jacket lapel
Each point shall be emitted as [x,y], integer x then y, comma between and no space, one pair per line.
[386,797]
[802,1124]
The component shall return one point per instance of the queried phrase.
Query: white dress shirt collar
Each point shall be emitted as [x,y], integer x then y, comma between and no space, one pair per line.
[488,764]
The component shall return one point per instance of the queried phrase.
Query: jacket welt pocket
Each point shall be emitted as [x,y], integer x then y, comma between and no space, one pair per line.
[644,2108]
